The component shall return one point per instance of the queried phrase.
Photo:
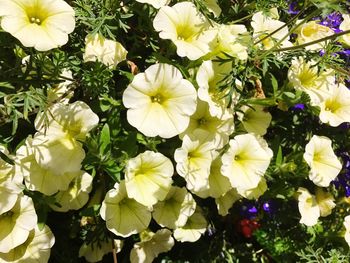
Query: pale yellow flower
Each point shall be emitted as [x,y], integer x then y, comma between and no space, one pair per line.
[61,92]
[151,245]
[304,76]
[75,120]
[213,7]
[175,209]
[148,177]
[308,207]
[264,25]
[312,31]
[325,202]
[106,51]
[124,216]
[36,249]
[193,160]
[246,161]
[254,193]
[40,24]
[212,89]
[255,119]
[336,109]
[16,224]
[218,128]
[324,164]
[186,27]
[160,102]
[195,226]
[95,252]
[77,194]
[345,25]
[225,202]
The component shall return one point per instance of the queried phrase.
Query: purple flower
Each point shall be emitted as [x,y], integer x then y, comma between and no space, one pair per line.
[332,21]
[292,10]
[249,210]
[299,106]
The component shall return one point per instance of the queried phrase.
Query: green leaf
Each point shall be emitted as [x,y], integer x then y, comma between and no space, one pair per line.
[105,140]
[279,157]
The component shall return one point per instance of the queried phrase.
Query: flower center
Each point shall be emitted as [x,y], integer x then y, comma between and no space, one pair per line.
[35,20]
[202,121]
[157,98]
[7,214]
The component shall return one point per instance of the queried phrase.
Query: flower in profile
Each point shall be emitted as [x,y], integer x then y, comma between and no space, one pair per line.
[195,226]
[311,31]
[75,119]
[308,207]
[124,216]
[155,3]
[325,201]
[193,160]
[16,224]
[36,177]
[160,102]
[94,252]
[151,245]
[106,51]
[212,89]
[186,27]
[77,194]
[213,7]
[335,109]
[304,76]
[255,119]
[324,164]
[225,202]
[230,41]
[246,161]
[345,25]
[37,248]
[264,25]
[175,209]
[41,24]
[148,177]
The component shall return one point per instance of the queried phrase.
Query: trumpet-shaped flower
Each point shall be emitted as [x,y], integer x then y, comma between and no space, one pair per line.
[254,193]
[36,177]
[217,183]
[75,119]
[218,128]
[304,76]
[77,194]
[36,249]
[95,252]
[195,226]
[175,209]
[57,152]
[312,31]
[40,24]
[124,216]
[308,207]
[255,119]
[193,160]
[325,202]
[155,3]
[213,7]
[186,27]
[211,81]
[151,245]
[148,177]
[345,25]
[265,25]
[246,161]
[336,109]
[324,164]
[160,101]
[225,202]
[231,40]
[106,51]
[16,224]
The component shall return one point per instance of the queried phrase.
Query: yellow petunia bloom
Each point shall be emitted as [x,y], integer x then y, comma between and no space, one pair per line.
[324,164]
[41,24]
[160,101]
[346,224]
[308,207]
[186,27]
[336,109]
[155,3]
[255,119]
[345,25]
